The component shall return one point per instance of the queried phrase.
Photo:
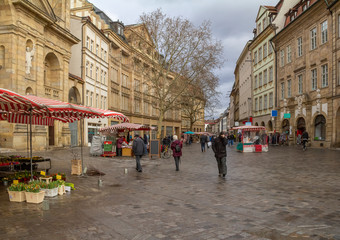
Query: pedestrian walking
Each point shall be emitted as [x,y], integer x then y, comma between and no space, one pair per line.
[203,140]
[176,147]
[304,139]
[220,150]
[138,148]
[119,145]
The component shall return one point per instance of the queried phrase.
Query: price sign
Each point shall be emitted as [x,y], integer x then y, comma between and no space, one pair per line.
[58,177]
[15,182]
[42,173]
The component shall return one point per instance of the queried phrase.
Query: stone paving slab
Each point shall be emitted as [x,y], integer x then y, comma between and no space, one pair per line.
[283,194]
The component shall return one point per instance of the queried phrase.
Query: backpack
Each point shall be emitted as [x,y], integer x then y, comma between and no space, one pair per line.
[177,148]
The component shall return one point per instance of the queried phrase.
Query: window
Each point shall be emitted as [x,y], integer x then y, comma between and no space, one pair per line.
[270,74]
[260,103]
[97,99]
[87,42]
[265,73]
[101,76]
[137,106]
[289,54]
[101,53]
[125,102]
[146,108]
[264,50]
[259,28]
[271,100]
[300,84]
[137,85]
[87,68]
[91,47]
[270,48]
[91,67]
[255,57]
[282,58]
[314,79]
[87,98]
[91,99]
[289,88]
[97,49]
[320,128]
[265,104]
[104,106]
[299,44]
[105,55]
[255,84]
[145,88]
[115,75]
[104,78]
[304,7]
[125,82]
[313,39]
[324,75]
[324,37]
[256,104]
[101,102]
[264,23]
[260,80]
[97,69]
[260,54]
[282,90]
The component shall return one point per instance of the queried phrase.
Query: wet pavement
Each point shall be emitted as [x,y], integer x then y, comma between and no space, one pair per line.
[283,194]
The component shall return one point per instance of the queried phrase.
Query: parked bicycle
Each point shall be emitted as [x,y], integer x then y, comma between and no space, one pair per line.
[166,151]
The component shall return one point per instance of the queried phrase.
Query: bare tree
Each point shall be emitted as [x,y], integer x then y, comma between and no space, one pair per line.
[182,53]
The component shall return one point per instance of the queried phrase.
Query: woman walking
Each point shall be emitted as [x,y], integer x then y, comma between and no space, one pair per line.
[176,147]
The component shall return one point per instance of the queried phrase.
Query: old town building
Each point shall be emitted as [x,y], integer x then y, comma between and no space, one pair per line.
[307,73]
[263,73]
[243,77]
[129,90]
[90,61]
[35,50]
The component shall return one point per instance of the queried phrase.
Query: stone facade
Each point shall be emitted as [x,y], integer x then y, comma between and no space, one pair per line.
[243,71]
[308,87]
[35,49]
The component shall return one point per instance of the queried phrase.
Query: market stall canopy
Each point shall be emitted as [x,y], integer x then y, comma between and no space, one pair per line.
[189,132]
[249,128]
[129,126]
[204,133]
[111,114]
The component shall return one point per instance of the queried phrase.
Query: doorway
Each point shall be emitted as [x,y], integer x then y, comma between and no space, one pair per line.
[51,135]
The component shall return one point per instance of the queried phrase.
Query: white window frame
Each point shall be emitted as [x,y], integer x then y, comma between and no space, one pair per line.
[300,84]
[313,34]
[255,81]
[256,104]
[260,79]
[271,74]
[260,103]
[260,54]
[265,76]
[282,57]
[289,54]
[265,54]
[324,75]
[271,100]
[299,44]
[314,79]
[324,32]
[289,88]
[255,57]
[265,102]
[282,90]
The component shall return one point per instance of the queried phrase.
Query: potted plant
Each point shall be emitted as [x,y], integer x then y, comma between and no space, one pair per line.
[61,187]
[16,192]
[33,192]
[51,188]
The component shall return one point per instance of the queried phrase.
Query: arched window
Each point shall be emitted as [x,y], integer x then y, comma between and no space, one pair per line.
[2,57]
[320,128]
[29,91]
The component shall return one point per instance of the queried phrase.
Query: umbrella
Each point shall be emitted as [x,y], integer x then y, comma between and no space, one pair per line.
[123,126]
[189,132]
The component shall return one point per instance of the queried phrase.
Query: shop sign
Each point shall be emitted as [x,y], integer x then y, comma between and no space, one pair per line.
[274,113]
[286,115]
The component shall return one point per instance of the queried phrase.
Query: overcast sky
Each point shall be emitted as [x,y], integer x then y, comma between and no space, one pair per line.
[232,21]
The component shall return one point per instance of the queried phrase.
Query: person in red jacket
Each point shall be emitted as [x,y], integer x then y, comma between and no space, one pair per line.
[176,147]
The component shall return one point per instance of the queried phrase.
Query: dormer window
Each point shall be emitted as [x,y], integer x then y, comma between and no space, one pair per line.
[304,8]
[119,30]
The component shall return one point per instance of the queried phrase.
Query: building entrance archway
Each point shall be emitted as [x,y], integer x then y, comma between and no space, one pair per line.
[285,126]
[270,126]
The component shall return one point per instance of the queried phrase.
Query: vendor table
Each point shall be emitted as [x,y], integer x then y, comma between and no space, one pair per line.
[35,161]
[127,152]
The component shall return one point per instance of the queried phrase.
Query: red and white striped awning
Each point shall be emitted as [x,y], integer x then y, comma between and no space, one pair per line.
[128,126]
[16,108]
[250,128]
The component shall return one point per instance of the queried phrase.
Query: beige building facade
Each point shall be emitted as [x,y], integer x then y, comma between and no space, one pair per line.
[129,91]
[35,50]
[243,71]
[308,64]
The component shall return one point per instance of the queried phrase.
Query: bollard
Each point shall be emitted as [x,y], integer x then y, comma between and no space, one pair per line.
[45,205]
[125,171]
[100,182]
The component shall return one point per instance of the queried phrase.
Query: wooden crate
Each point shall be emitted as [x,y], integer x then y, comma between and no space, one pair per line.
[76,168]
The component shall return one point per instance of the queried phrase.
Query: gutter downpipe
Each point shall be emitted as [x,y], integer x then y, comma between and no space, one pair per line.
[82,100]
[275,51]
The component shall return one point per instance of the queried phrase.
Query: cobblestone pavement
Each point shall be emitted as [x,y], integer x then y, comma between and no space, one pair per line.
[283,194]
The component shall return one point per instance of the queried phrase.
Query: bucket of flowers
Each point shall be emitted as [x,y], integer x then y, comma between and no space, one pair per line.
[51,188]
[33,192]
[16,192]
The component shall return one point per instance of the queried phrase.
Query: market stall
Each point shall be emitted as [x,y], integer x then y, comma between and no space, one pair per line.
[254,139]
[120,130]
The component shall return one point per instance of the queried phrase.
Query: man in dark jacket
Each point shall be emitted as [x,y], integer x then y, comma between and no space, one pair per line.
[138,149]
[220,150]
[203,140]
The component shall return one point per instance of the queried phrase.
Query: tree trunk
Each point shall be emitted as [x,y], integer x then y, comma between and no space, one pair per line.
[159,124]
